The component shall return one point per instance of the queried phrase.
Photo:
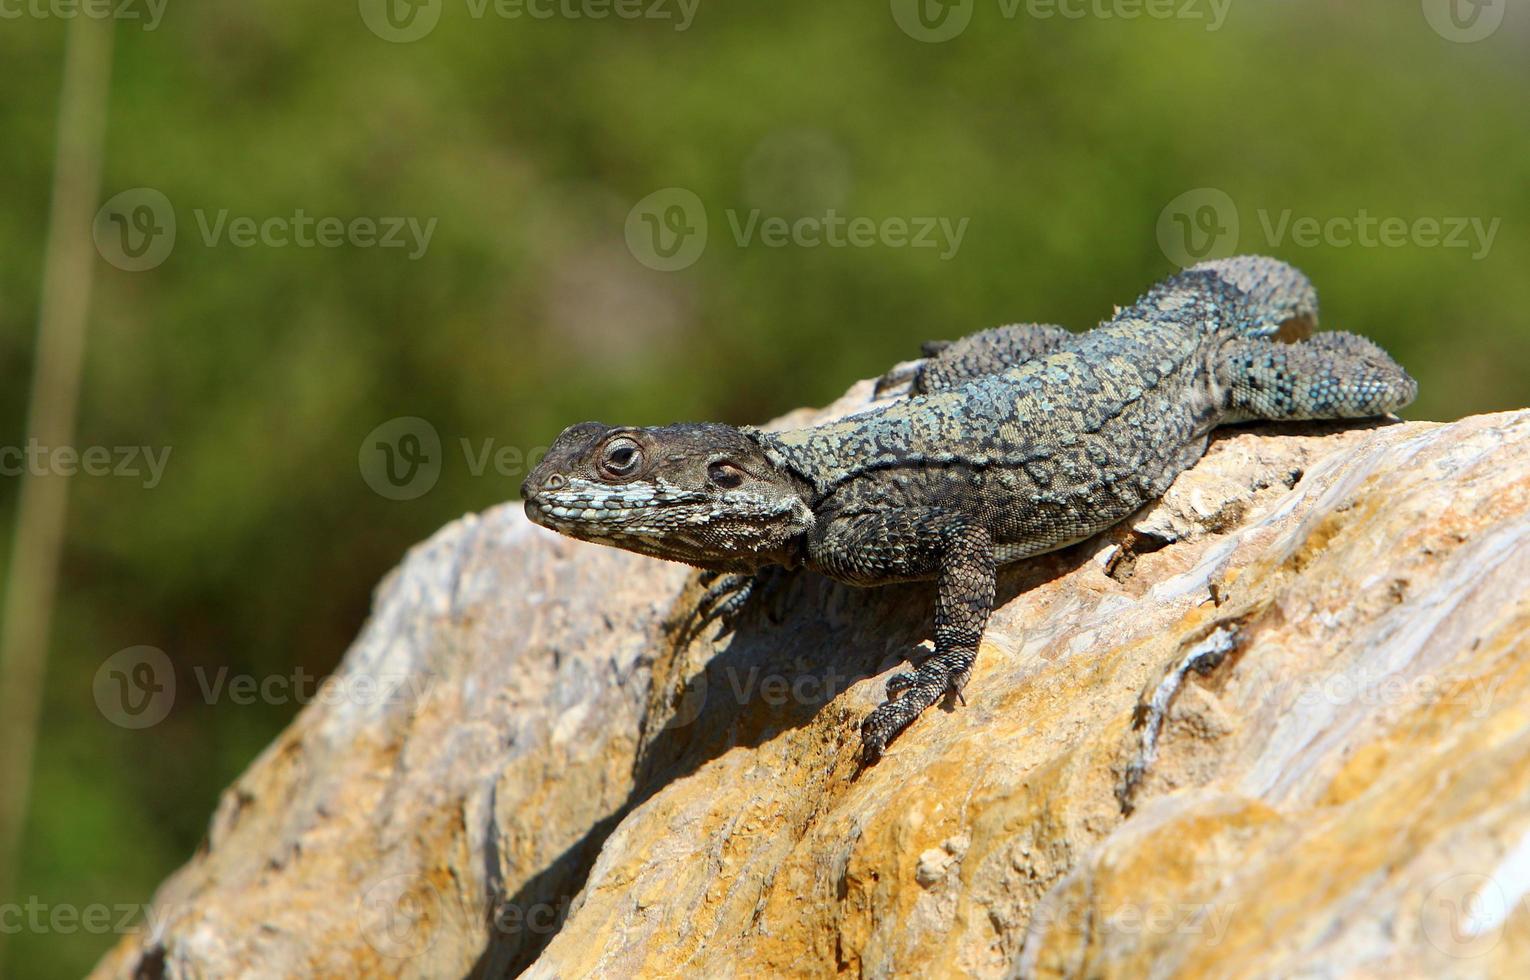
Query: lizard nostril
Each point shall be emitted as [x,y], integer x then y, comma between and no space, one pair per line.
[554,482]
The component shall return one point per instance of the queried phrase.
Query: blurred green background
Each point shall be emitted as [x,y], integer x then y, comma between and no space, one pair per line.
[1061,141]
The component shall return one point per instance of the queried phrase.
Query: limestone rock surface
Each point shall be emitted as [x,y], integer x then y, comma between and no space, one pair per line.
[1277,724]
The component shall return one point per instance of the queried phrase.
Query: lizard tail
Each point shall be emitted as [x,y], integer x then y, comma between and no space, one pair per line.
[1257,296]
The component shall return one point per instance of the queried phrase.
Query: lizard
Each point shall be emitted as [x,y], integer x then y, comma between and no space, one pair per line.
[1010,443]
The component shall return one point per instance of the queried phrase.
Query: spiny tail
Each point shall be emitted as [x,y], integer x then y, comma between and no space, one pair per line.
[1331,376]
[1253,295]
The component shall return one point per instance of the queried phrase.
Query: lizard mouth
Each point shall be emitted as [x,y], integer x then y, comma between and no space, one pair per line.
[539,511]
[584,509]
[570,515]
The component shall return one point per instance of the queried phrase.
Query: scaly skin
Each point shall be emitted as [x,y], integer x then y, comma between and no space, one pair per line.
[1013,442]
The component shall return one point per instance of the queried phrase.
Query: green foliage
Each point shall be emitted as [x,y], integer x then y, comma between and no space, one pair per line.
[527,141]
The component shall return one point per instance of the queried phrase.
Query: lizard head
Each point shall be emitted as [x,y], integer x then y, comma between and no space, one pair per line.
[703,494]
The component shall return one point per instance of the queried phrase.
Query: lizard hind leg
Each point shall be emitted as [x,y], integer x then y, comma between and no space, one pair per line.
[1330,376]
[950,364]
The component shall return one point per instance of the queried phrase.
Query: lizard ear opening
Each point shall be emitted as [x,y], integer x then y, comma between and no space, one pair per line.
[725,475]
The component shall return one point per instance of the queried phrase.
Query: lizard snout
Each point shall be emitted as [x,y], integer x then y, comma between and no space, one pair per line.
[531,486]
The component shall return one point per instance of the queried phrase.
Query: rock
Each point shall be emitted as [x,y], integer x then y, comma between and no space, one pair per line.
[1278,723]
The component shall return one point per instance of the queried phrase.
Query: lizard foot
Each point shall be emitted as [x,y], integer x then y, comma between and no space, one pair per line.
[908,375]
[726,596]
[909,693]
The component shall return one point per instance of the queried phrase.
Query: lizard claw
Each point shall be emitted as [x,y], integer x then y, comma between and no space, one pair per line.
[884,724]
[956,682]
[726,596]
[898,377]
[877,729]
[908,694]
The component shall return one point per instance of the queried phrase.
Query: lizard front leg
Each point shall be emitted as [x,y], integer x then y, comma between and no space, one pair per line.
[954,549]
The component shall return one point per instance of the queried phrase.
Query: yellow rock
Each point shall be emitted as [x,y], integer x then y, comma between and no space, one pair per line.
[1276,725]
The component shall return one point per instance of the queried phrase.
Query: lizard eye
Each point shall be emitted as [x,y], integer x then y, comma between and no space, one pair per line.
[725,475]
[622,457]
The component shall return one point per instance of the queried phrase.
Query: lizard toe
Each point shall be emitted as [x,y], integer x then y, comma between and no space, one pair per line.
[900,682]
[956,682]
